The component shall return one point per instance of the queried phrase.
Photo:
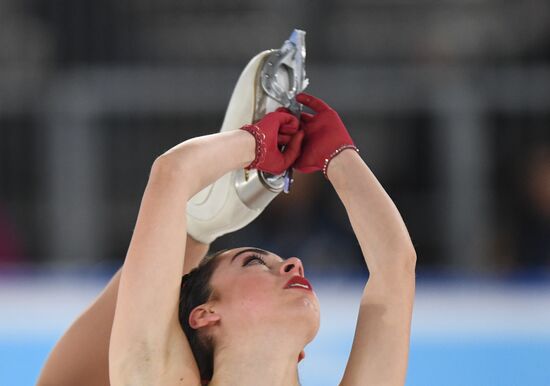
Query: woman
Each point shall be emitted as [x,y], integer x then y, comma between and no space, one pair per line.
[247,313]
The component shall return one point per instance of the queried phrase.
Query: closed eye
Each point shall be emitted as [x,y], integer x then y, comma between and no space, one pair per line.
[251,258]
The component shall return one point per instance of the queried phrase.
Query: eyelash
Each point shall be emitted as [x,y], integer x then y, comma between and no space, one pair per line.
[254,257]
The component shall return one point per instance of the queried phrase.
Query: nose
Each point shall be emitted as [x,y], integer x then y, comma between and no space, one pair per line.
[292,265]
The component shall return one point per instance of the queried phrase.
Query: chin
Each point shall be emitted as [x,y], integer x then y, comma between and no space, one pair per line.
[312,332]
[307,316]
[307,304]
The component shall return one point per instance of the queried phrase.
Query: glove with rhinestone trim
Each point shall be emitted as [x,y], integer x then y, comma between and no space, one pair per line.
[273,130]
[325,136]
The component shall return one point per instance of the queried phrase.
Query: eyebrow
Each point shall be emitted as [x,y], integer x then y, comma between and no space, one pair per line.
[257,250]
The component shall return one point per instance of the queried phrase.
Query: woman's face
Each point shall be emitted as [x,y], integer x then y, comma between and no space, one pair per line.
[257,289]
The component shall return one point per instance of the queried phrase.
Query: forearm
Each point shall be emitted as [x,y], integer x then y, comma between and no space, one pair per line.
[69,363]
[202,160]
[377,224]
[381,342]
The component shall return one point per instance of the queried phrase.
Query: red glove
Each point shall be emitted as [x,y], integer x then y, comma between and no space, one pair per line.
[274,129]
[325,136]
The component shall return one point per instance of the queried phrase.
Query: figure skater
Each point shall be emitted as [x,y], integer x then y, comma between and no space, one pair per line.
[242,316]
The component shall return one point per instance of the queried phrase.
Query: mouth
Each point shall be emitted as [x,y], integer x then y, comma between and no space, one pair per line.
[299,282]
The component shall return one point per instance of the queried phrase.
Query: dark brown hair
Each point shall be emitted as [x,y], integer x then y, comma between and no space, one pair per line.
[196,290]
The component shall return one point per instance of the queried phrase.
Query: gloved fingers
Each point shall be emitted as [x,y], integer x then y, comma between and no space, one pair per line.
[312,126]
[287,119]
[312,102]
[288,128]
[283,139]
[306,117]
[292,150]
[283,110]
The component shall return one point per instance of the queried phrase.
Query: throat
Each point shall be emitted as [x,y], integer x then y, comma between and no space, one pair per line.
[254,365]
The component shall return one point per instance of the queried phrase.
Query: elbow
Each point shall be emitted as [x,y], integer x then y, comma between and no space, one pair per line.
[410,260]
[406,257]
[400,262]
[169,169]
[179,159]
[168,164]
[177,167]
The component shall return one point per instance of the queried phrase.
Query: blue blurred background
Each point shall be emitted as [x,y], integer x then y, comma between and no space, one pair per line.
[448,101]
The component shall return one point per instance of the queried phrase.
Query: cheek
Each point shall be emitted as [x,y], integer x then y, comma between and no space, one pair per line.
[254,294]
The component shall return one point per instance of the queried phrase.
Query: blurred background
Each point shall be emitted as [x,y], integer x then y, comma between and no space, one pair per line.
[448,101]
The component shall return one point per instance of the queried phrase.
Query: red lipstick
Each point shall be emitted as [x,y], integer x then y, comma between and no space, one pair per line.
[299,282]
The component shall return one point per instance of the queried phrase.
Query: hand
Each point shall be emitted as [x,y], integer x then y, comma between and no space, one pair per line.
[325,135]
[275,129]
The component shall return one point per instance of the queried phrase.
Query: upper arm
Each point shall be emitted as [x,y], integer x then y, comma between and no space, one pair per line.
[379,353]
[146,337]
[80,357]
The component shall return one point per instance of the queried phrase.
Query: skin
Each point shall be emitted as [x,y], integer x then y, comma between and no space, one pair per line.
[380,348]
[147,346]
[257,311]
[68,363]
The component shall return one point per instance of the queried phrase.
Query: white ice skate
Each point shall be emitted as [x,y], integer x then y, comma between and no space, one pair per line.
[270,80]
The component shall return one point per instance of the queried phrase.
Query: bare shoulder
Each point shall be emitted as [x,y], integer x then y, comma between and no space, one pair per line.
[381,343]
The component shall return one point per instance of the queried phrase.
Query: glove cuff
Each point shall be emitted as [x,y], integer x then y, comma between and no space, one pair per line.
[261,148]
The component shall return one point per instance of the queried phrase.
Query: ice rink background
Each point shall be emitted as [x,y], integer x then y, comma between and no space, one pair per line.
[448,101]
[467,333]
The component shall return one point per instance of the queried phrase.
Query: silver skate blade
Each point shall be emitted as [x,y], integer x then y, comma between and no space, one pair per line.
[288,62]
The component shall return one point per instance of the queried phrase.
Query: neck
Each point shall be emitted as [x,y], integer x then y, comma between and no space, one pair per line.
[257,359]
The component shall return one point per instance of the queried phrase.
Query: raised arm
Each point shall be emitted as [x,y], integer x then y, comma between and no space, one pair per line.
[380,348]
[80,357]
[142,349]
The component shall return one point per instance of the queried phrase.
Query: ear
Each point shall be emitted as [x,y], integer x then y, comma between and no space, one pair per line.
[203,316]
[301,356]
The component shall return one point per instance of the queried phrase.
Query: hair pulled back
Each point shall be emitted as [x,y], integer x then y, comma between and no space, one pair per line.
[196,290]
